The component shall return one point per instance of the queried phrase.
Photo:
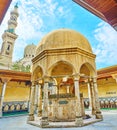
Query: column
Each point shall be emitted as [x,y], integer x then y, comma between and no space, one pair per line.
[97,104]
[36,96]
[32,103]
[53,89]
[44,120]
[55,86]
[92,96]
[67,89]
[2,97]
[89,95]
[82,104]
[79,119]
[40,102]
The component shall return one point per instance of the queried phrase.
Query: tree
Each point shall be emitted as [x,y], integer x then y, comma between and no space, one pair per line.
[20,67]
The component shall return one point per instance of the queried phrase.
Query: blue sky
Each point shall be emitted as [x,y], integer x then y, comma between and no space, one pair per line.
[38,17]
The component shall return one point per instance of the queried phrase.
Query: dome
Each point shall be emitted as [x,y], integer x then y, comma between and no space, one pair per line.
[63,38]
[29,51]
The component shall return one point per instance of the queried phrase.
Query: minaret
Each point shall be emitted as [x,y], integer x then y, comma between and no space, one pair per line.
[9,38]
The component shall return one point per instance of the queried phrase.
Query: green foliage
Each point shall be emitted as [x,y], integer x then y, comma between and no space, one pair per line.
[15,67]
[19,67]
[27,68]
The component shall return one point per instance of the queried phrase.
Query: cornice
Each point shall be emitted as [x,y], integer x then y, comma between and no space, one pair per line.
[107,72]
[62,51]
[15,75]
[11,35]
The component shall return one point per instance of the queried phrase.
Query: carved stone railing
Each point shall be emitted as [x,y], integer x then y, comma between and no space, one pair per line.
[105,102]
[15,106]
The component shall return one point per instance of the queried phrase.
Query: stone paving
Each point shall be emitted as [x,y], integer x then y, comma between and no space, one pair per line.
[19,123]
[64,124]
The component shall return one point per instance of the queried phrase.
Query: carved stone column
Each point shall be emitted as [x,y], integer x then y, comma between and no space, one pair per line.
[44,120]
[40,101]
[4,80]
[79,119]
[53,89]
[36,96]
[32,103]
[67,89]
[97,104]
[82,104]
[92,96]
[2,97]
[89,94]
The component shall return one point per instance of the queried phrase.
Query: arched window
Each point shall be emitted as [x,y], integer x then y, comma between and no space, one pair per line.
[8,48]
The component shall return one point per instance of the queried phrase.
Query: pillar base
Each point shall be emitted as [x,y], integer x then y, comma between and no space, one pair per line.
[98,115]
[79,121]
[39,114]
[0,113]
[31,117]
[44,122]
[93,111]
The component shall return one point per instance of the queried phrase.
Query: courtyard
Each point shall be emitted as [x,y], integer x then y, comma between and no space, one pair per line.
[19,123]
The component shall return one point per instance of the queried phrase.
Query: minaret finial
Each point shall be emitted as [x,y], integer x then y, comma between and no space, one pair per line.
[16,6]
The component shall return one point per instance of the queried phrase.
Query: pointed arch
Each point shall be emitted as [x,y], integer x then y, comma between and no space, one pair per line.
[87,69]
[61,67]
[37,73]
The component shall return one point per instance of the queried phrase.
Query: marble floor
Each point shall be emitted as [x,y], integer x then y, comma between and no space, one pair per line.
[19,123]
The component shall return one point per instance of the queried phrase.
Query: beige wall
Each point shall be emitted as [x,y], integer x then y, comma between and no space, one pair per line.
[106,88]
[16,91]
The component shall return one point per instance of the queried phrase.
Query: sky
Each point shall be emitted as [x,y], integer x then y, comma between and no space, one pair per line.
[39,17]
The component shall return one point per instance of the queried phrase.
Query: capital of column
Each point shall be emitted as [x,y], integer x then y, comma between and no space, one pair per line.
[86,80]
[114,77]
[40,81]
[34,83]
[76,77]
[46,78]
[5,80]
[94,79]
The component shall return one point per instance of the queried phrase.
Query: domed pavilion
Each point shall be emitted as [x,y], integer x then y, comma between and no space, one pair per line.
[63,61]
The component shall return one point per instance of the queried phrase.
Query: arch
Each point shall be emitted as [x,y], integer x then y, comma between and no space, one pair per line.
[60,70]
[37,73]
[61,62]
[87,69]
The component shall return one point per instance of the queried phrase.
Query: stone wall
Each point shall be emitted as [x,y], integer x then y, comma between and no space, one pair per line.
[62,109]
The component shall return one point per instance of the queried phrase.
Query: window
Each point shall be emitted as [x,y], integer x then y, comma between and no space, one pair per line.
[8,48]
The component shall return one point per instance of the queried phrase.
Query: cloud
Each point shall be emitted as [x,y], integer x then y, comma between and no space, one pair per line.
[106,49]
[38,17]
